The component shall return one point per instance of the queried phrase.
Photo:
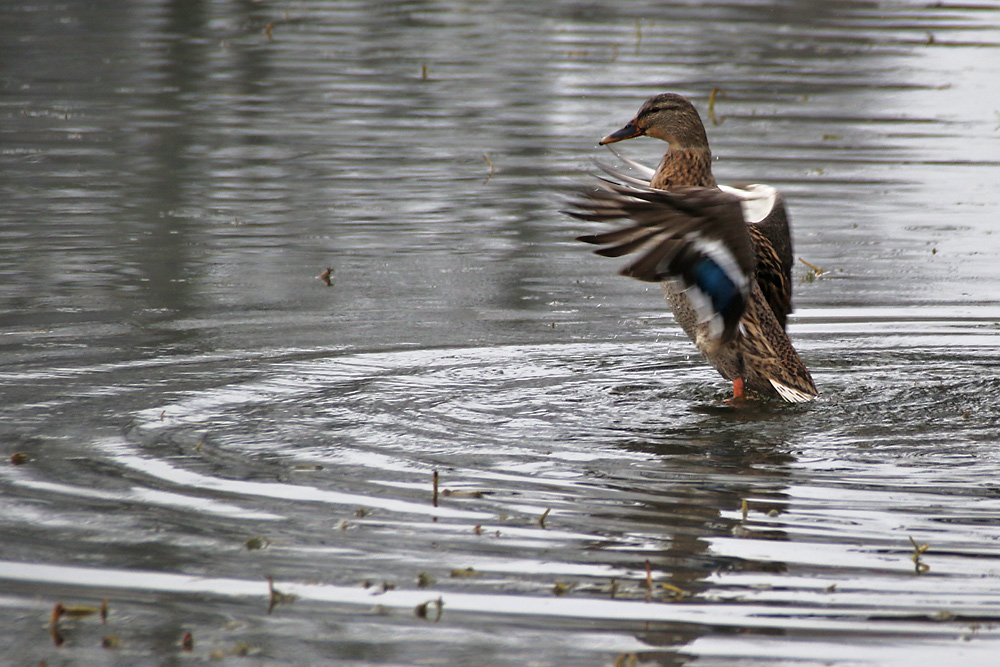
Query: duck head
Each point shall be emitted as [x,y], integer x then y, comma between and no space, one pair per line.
[669,117]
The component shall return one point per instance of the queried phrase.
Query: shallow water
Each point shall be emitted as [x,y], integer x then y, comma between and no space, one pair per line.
[181,383]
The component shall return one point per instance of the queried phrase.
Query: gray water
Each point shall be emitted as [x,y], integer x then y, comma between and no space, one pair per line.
[175,176]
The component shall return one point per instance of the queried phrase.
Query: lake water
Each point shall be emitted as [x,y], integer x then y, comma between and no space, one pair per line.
[196,411]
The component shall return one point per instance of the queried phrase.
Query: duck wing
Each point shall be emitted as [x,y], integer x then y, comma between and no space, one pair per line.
[697,236]
[767,222]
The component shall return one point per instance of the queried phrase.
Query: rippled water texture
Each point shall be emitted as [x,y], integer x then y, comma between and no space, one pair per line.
[194,411]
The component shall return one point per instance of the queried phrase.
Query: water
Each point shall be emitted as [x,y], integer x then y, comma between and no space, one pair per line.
[176,175]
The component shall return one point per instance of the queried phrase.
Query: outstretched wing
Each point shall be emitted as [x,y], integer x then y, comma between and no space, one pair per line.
[697,236]
[767,223]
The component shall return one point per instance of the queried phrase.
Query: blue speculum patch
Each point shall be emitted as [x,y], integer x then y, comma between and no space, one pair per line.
[714,282]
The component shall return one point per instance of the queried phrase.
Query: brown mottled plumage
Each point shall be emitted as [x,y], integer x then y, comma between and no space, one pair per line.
[684,223]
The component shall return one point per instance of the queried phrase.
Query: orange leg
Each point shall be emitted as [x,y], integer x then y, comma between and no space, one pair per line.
[738,389]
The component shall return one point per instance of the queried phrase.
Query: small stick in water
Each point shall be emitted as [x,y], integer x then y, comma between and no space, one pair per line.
[649,581]
[489,175]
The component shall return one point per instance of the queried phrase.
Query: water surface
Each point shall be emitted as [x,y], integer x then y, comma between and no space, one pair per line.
[175,177]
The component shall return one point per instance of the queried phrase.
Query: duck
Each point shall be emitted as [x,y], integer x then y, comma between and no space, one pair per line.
[723,254]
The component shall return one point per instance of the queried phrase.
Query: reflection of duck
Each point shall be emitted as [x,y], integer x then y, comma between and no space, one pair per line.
[723,254]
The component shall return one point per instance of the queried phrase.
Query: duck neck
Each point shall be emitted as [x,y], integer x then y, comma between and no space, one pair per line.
[684,167]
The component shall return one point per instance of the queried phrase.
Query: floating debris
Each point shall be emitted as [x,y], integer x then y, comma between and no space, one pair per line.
[276,597]
[187,642]
[716,120]
[18,458]
[57,612]
[457,493]
[79,611]
[244,650]
[739,530]
[814,273]
[256,543]
[649,581]
[421,610]
[424,580]
[561,589]
[489,175]
[918,550]
[545,514]
[111,642]
[104,611]
[675,592]
[464,573]
[326,276]
[453,493]
[627,660]
[267,30]
[746,509]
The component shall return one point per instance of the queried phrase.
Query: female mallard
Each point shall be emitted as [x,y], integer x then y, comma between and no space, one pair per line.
[723,254]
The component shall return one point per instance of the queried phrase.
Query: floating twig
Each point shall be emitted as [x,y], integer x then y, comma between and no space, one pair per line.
[814,271]
[434,497]
[57,612]
[545,514]
[813,267]
[678,593]
[492,169]
[918,550]
[716,120]
[649,581]
[276,597]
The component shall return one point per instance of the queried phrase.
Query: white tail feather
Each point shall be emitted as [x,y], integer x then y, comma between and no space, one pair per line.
[789,394]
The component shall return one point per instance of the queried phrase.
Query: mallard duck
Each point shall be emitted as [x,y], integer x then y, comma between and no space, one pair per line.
[723,254]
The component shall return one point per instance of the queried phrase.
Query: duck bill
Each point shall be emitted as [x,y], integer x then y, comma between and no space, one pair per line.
[627,132]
